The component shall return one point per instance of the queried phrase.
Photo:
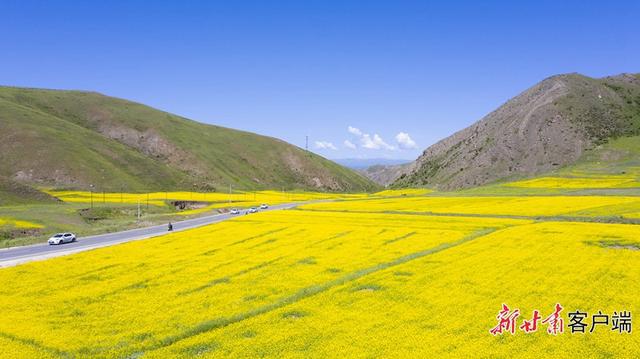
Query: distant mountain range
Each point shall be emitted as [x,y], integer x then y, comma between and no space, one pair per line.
[83,140]
[385,175]
[363,163]
[550,125]
[382,171]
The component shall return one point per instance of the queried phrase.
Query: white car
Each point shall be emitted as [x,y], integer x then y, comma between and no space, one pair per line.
[235,211]
[60,238]
[253,210]
[264,206]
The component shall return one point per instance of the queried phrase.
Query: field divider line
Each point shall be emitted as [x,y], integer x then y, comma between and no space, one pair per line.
[307,292]
[557,218]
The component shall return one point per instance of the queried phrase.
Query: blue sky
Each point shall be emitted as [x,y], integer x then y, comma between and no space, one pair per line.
[390,77]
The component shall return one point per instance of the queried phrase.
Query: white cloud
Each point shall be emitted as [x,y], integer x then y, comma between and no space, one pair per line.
[324,145]
[375,143]
[349,144]
[405,141]
[355,131]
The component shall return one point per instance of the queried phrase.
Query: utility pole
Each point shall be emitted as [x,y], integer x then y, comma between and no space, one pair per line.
[138,209]
[306,143]
[91,189]
[229,192]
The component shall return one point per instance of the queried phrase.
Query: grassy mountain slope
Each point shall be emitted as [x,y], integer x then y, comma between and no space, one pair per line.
[13,192]
[551,125]
[77,139]
[612,168]
[619,156]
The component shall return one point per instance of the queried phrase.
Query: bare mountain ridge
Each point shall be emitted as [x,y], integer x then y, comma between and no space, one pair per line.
[547,126]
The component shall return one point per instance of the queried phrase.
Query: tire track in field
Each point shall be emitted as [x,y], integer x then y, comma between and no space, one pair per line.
[258,236]
[35,344]
[307,292]
[269,241]
[335,236]
[227,279]
[400,238]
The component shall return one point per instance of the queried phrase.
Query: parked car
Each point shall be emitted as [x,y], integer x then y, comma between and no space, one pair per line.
[253,210]
[235,211]
[60,238]
[264,206]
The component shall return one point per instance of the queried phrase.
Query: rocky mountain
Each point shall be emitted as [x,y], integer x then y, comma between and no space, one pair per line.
[548,126]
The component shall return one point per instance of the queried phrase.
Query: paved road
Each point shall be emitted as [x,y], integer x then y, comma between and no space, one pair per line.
[17,255]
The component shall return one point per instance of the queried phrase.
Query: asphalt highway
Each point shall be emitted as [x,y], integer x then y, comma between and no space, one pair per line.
[17,255]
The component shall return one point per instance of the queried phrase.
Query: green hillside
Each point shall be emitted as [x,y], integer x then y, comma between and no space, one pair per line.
[73,139]
[604,108]
[13,192]
[612,168]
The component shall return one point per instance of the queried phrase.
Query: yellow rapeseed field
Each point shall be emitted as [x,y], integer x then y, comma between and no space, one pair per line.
[496,205]
[403,192]
[218,199]
[334,279]
[444,303]
[578,182]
